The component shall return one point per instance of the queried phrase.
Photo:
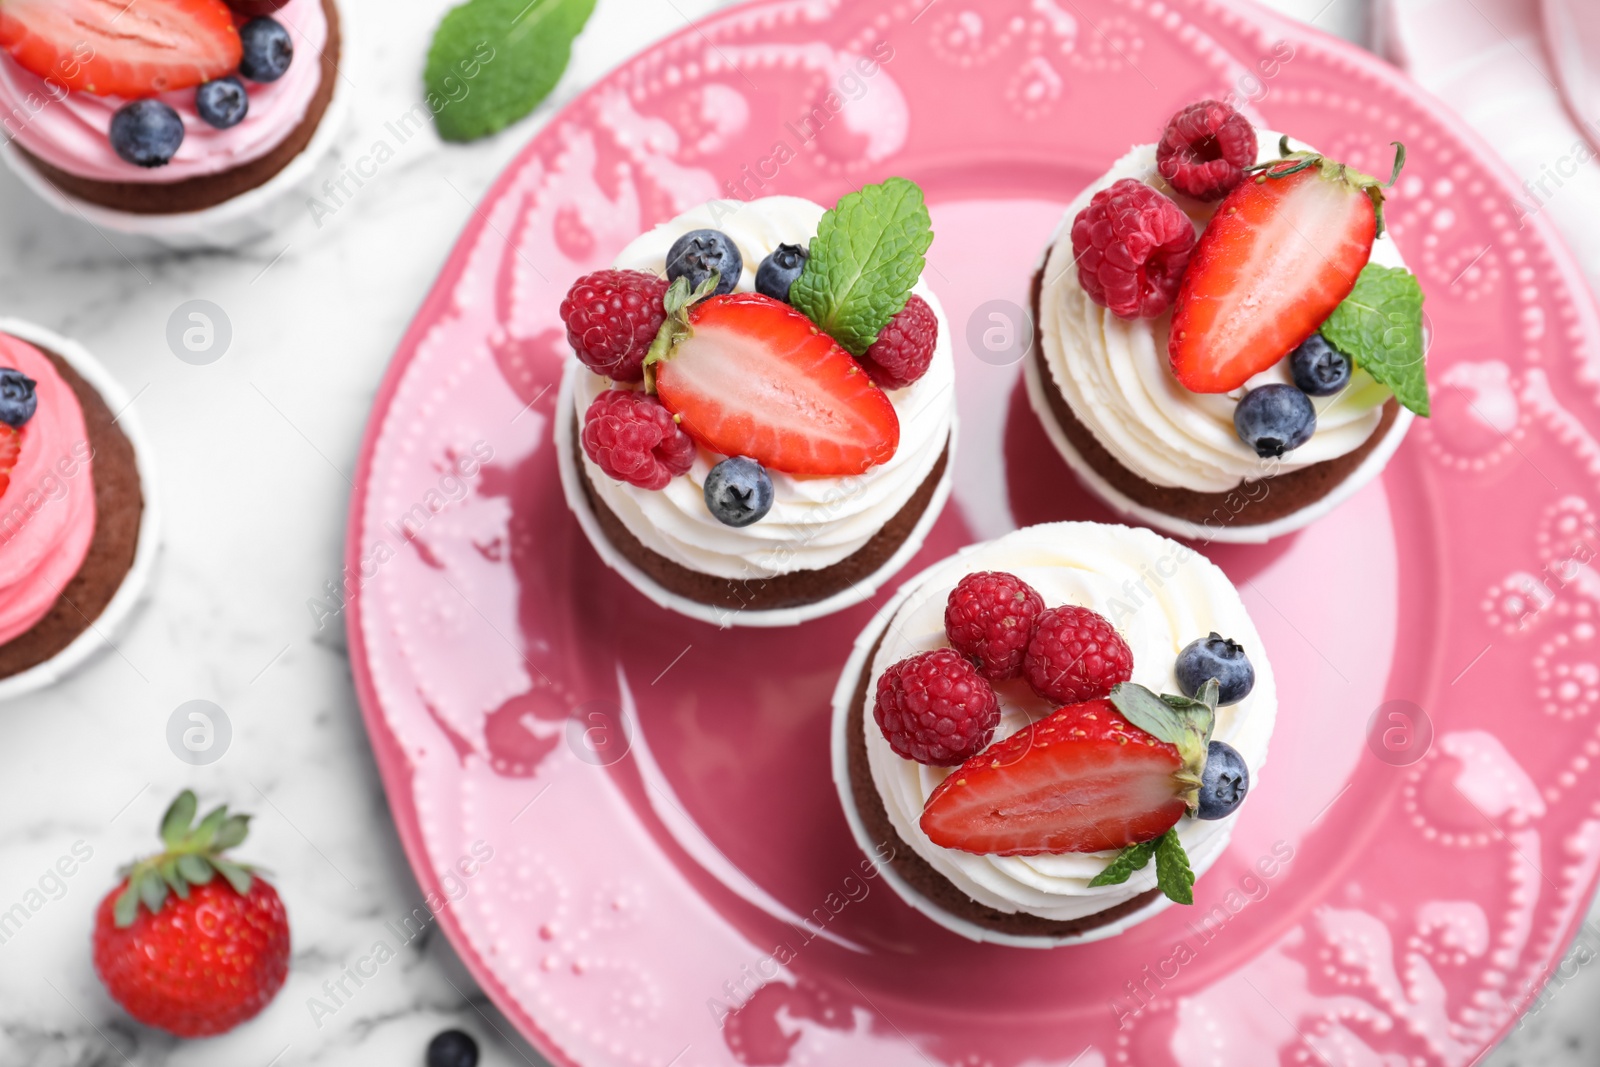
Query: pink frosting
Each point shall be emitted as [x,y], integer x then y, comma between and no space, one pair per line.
[70,131]
[47,515]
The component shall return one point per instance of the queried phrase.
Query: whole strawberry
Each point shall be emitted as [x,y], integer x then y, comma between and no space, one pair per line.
[192,942]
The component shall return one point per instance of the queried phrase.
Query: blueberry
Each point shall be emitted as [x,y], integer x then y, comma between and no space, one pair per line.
[222,103]
[268,50]
[1223,783]
[699,252]
[1220,658]
[780,270]
[739,491]
[17,399]
[1319,369]
[1275,419]
[453,1048]
[146,133]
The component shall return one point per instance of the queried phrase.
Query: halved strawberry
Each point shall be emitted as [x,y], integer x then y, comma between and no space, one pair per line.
[1080,780]
[118,48]
[1283,251]
[10,452]
[747,375]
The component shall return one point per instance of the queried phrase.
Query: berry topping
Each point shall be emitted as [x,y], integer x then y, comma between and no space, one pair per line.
[749,376]
[79,45]
[935,708]
[989,618]
[698,253]
[193,942]
[778,271]
[1081,780]
[611,317]
[268,50]
[18,401]
[1205,150]
[1319,369]
[633,439]
[1220,658]
[10,451]
[146,133]
[1224,782]
[1275,419]
[1075,655]
[222,103]
[1283,251]
[903,351]
[1132,245]
[452,1048]
[738,491]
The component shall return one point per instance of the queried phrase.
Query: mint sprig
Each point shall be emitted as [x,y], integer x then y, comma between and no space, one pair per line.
[493,61]
[1183,723]
[1133,858]
[1173,873]
[1379,326]
[868,253]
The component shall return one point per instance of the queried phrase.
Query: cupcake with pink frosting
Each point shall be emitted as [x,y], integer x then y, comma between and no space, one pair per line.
[172,118]
[77,523]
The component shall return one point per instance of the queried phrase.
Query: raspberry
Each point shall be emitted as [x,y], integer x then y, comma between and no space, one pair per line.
[989,618]
[1205,150]
[634,439]
[904,349]
[936,708]
[611,318]
[1076,655]
[1132,245]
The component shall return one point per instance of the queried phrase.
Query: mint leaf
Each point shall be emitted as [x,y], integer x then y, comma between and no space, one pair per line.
[1379,326]
[1133,858]
[493,61]
[1173,873]
[868,253]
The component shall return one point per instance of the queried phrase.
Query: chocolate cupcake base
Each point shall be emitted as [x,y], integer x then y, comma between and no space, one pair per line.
[119,518]
[1253,511]
[917,874]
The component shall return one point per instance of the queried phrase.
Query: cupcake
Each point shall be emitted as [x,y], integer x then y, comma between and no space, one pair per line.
[757,426]
[176,118]
[77,526]
[1046,738]
[1230,344]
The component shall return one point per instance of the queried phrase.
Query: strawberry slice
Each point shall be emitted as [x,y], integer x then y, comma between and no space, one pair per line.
[1283,251]
[10,452]
[1081,780]
[747,375]
[117,48]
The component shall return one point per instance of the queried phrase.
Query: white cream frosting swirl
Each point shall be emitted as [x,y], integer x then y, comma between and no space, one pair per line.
[814,522]
[1115,375]
[1160,595]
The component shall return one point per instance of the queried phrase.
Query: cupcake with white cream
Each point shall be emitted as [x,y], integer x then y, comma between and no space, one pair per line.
[1230,344]
[743,436]
[1047,738]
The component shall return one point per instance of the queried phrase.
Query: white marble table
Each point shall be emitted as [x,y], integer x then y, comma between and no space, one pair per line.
[256,452]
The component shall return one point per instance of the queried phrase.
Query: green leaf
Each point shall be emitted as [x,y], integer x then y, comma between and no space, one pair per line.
[1173,873]
[168,869]
[152,889]
[126,909]
[868,253]
[1184,723]
[1379,326]
[206,832]
[493,61]
[179,817]
[196,869]
[232,832]
[237,876]
[1133,858]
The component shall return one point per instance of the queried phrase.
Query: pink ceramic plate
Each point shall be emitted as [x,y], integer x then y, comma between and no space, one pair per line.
[671,879]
